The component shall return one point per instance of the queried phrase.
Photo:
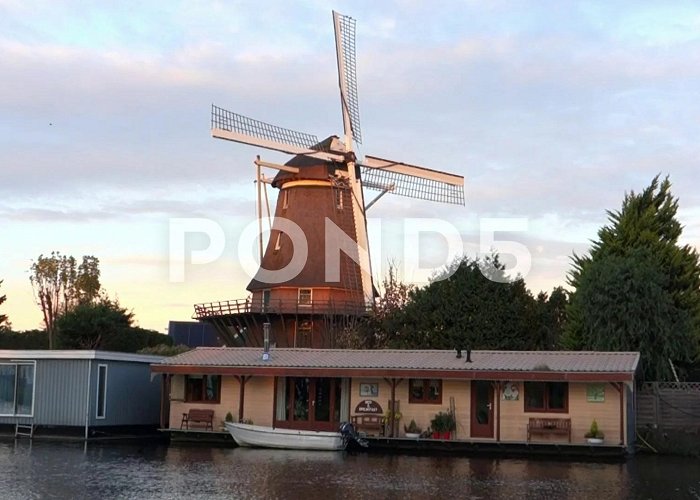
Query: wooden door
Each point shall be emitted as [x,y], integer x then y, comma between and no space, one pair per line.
[312,404]
[482,413]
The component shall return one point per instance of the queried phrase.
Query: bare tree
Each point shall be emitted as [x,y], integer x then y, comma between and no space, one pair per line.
[3,317]
[59,285]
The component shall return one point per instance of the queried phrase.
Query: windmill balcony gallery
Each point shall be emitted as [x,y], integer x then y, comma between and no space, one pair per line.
[290,306]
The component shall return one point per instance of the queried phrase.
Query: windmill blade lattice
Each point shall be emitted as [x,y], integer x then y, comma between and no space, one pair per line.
[233,122]
[348,72]
[411,186]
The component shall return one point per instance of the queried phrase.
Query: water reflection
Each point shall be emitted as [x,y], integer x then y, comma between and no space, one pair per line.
[58,470]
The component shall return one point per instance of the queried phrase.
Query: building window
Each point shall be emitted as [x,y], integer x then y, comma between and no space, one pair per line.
[265,300]
[17,389]
[425,391]
[304,329]
[202,388]
[101,391]
[278,241]
[305,296]
[550,397]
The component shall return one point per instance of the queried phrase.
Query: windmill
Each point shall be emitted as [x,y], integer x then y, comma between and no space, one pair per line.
[324,183]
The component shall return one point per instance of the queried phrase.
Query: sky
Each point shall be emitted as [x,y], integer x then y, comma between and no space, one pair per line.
[552,111]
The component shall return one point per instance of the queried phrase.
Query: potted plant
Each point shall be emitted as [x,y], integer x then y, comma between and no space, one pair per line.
[442,424]
[389,418]
[594,435]
[412,430]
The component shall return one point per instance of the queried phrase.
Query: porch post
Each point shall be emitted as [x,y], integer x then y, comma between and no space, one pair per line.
[622,412]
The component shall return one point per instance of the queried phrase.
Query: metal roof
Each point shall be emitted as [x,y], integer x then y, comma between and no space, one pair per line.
[429,360]
[12,354]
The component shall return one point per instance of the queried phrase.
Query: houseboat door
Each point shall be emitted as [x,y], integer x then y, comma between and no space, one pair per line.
[481,409]
[311,404]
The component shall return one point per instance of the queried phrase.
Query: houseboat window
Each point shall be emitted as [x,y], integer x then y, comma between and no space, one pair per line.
[305,296]
[17,389]
[546,396]
[101,391]
[202,388]
[426,391]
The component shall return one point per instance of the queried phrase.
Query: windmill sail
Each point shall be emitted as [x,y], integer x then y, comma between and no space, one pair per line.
[347,75]
[238,128]
[412,181]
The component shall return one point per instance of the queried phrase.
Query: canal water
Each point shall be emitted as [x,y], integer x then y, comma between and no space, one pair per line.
[66,471]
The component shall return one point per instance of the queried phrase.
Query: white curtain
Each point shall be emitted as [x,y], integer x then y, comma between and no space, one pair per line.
[281,402]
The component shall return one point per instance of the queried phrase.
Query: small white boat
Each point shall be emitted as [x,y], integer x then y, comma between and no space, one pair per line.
[258,436]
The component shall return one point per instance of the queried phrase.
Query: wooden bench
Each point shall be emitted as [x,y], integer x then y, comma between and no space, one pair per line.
[368,423]
[198,417]
[556,426]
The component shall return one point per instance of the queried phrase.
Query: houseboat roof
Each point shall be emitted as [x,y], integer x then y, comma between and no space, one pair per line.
[78,354]
[487,365]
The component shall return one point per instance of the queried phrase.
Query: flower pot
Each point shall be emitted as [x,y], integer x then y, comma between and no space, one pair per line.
[436,435]
[413,435]
[594,440]
[445,435]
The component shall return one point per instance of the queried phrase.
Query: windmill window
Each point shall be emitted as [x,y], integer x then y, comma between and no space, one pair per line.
[339,199]
[303,336]
[305,296]
[285,199]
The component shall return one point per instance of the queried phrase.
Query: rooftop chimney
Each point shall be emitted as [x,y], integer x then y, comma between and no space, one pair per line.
[469,355]
[266,342]
[459,352]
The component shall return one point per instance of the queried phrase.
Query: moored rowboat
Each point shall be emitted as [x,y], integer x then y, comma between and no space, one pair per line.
[293,439]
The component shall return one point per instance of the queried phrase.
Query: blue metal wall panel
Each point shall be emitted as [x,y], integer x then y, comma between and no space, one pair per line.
[61,389]
[131,397]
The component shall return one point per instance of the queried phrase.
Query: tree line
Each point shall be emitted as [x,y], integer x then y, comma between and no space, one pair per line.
[638,289]
[77,312]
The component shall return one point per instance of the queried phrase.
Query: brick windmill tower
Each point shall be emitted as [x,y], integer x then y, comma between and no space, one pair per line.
[310,299]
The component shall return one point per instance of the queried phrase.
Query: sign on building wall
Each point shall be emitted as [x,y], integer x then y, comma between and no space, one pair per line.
[511,392]
[595,393]
[369,406]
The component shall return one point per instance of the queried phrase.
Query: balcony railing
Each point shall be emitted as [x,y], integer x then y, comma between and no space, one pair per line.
[246,306]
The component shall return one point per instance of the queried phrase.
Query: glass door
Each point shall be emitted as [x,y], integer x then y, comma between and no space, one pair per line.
[310,403]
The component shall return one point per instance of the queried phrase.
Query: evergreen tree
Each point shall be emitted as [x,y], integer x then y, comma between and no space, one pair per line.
[638,289]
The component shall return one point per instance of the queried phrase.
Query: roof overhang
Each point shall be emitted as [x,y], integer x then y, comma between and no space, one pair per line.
[78,354]
[277,371]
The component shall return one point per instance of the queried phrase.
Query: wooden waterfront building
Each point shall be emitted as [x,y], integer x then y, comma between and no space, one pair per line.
[495,396]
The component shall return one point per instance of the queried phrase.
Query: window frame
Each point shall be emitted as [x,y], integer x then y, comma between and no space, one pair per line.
[17,364]
[188,392]
[311,297]
[426,390]
[545,409]
[97,393]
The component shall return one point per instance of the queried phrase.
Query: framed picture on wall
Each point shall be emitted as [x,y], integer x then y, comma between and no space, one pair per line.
[369,390]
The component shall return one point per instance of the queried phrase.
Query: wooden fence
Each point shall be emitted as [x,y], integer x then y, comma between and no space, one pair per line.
[669,405]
